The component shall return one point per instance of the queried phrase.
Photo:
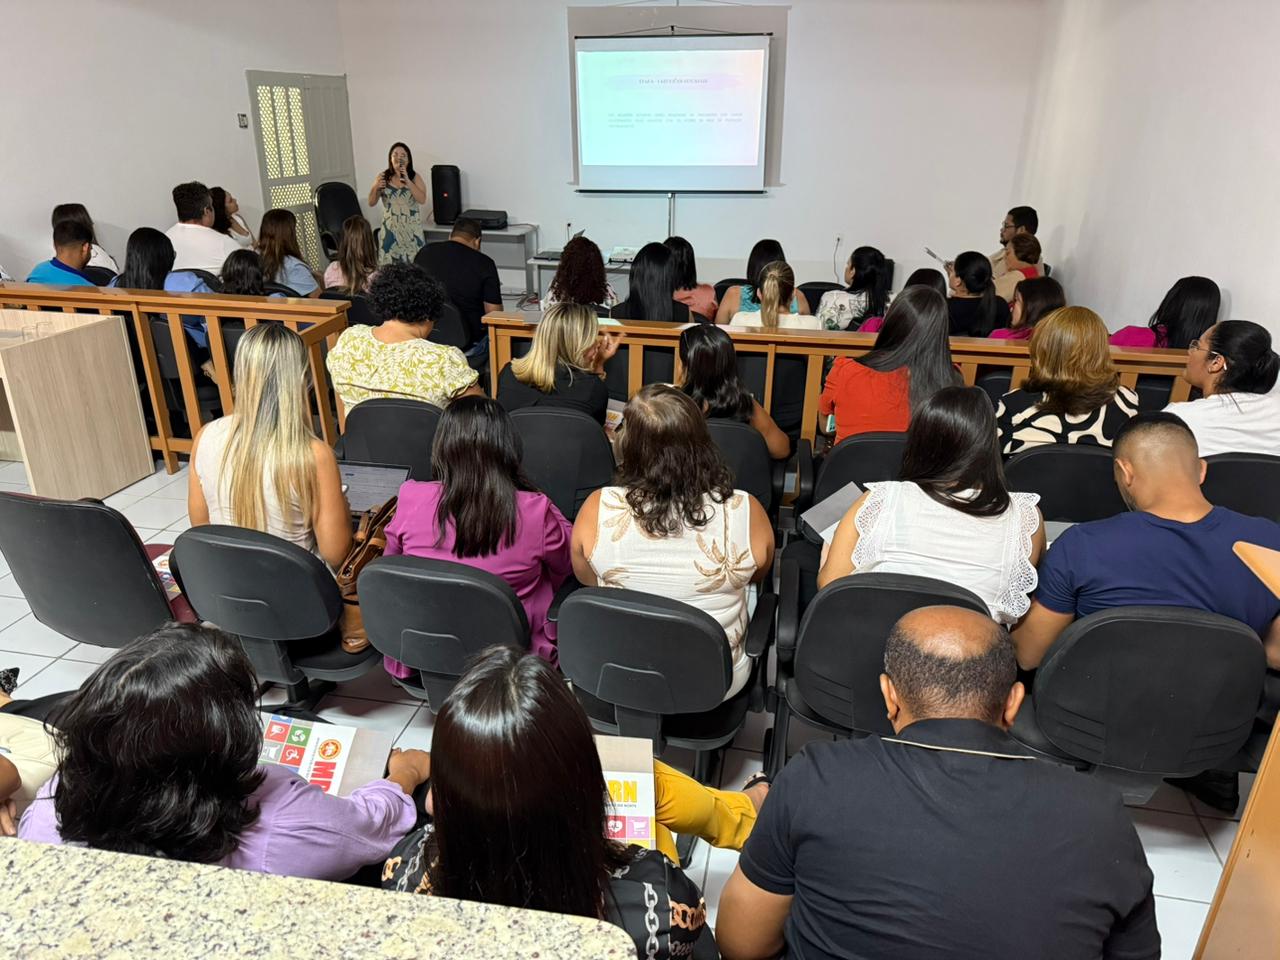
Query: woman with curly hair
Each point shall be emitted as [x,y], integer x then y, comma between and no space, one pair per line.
[673,524]
[580,278]
[395,358]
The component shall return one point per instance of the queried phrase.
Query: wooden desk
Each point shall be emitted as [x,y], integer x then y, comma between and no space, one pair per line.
[69,407]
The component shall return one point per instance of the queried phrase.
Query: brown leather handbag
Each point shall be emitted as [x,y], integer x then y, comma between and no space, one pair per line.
[367,545]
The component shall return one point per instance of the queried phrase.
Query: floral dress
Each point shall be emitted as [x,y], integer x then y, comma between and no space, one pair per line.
[402,235]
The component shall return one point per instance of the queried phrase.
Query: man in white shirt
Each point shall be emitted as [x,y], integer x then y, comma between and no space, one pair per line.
[196,245]
[1018,220]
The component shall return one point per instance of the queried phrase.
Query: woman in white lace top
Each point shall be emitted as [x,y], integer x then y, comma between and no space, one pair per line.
[950,516]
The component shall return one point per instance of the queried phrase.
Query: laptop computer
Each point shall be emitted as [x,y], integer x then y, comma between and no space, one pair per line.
[369,485]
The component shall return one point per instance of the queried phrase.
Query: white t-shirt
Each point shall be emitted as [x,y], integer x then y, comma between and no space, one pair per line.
[1233,422]
[199,248]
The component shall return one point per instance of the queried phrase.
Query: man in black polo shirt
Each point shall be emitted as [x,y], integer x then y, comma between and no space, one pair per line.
[946,840]
[470,277]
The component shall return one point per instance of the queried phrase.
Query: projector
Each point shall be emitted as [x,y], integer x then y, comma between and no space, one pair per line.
[488,219]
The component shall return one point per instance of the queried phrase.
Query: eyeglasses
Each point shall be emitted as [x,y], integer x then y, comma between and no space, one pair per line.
[1006,226]
[1195,345]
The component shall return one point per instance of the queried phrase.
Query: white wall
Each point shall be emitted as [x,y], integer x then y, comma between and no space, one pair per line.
[1154,152]
[112,102]
[904,124]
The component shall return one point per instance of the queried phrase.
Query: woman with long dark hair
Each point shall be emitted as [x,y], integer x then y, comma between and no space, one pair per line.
[357,258]
[949,515]
[580,278]
[866,292]
[911,361]
[1233,365]
[241,274]
[148,261]
[711,381]
[700,298]
[974,307]
[1033,299]
[227,219]
[402,192]
[158,756]
[673,524]
[745,298]
[481,510]
[282,260]
[98,257]
[1189,309]
[651,289]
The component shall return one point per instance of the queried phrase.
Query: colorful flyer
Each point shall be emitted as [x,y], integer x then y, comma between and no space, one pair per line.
[628,774]
[319,752]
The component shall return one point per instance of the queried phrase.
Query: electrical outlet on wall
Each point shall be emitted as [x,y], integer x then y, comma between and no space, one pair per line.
[242,119]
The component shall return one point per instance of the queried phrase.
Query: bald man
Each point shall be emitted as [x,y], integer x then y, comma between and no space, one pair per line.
[944,841]
[1172,550]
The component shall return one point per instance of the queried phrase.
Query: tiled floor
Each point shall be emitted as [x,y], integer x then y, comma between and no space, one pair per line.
[1186,843]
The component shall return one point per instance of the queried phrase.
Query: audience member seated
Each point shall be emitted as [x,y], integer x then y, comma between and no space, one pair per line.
[580,278]
[1072,393]
[76,211]
[924,277]
[949,515]
[1018,221]
[469,276]
[357,258]
[482,511]
[395,358]
[1186,312]
[282,261]
[1021,256]
[651,289]
[743,298]
[196,245]
[974,306]
[1233,365]
[158,756]
[700,298]
[1032,299]
[27,758]
[775,288]
[674,525]
[519,814]
[866,277]
[263,467]
[911,361]
[564,366]
[227,219]
[242,275]
[935,842]
[148,265]
[72,246]
[711,380]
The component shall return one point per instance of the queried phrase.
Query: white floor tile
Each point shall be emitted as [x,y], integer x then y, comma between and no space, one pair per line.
[183,525]
[175,489]
[4,565]
[391,717]
[1222,834]
[751,736]
[12,610]
[89,653]
[1180,922]
[62,676]
[29,635]
[417,735]
[377,685]
[1246,784]
[13,471]
[9,487]
[9,587]
[1180,855]
[121,500]
[156,536]
[158,481]
[1170,799]
[720,866]
[29,667]
[155,513]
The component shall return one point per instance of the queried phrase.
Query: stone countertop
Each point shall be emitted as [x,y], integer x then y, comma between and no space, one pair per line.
[74,902]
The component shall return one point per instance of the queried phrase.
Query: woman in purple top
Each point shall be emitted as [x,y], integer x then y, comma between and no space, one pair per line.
[481,510]
[1186,312]
[158,756]
[1033,298]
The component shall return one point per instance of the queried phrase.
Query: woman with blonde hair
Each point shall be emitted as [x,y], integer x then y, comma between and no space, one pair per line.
[282,260]
[1073,392]
[775,290]
[263,467]
[357,258]
[564,366]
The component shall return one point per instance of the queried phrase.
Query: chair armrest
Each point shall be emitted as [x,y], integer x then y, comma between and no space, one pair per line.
[804,476]
[788,610]
[570,584]
[760,630]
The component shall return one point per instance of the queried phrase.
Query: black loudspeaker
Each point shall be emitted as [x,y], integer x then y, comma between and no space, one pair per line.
[446,192]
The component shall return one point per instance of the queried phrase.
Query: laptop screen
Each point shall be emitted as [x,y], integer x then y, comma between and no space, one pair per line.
[370,485]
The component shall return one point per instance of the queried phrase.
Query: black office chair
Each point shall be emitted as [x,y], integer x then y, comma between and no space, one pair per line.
[394,431]
[754,471]
[335,201]
[728,282]
[82,569]
[101,276]
[814,289]
[1154,392]
[449,330]
[996,384]
[565,453]
[830,661]
[646,666]
[269,288]
[211,280]
[1135,694]
[208,398]
[280,600]
[436,616]
[1248,483]
[359,312]
[1076,482]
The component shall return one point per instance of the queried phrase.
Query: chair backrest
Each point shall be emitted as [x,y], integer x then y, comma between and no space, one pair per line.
[449,330]
[270,287]
[647,655]
[162,339]
[1076,482]
[335,201]
[359,312]
[861,459]
[101,276]
[745,452]
[728,282]
[1244,482]
[840,646]
[211,280]
[1159,690]
[814,289]
[395,431]
[996,384]
[565,453]
[81,568]
[436,616]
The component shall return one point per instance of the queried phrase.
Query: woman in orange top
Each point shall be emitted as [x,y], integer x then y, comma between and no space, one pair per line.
[910,363]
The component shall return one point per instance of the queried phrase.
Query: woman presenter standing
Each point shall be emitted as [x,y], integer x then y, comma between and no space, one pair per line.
[402,192]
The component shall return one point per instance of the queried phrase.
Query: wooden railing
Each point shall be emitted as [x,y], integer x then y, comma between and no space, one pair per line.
[971,355]
[316,321]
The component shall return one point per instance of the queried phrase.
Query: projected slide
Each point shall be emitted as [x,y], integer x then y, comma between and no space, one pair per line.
[671,114]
